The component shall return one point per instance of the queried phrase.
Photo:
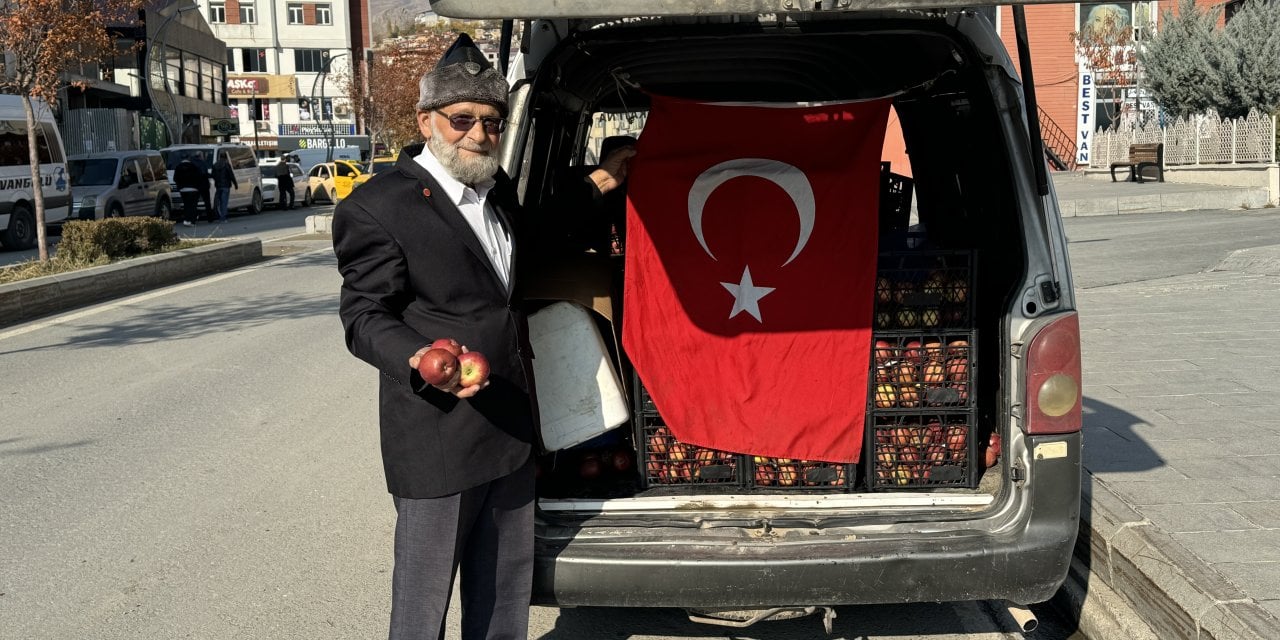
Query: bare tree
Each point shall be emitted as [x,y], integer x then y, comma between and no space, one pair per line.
[1106,46]
[44,39]
[389,105]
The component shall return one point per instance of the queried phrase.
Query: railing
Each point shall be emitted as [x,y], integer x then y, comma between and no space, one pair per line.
[1058,145]
[1201,139]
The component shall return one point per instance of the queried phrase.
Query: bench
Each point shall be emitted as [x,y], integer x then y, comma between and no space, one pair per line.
[1146,155]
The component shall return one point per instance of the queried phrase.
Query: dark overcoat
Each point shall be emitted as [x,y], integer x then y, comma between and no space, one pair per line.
[413,271]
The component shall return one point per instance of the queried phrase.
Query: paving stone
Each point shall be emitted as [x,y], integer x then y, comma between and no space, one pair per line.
[1250,399]
[1182,518]
[1264,513]
[1271,606]
[1239,621]
[1259,579]
[1203,415]
[1213,468]
[1261,443]
[1178,364]
[1262,545]
[1189,491]
[1183,389]
[1098,391]
[1174,431]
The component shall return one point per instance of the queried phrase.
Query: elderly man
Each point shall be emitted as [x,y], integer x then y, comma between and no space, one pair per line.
[431,250]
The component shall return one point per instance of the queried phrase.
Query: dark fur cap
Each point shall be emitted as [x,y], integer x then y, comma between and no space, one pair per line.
[462,75]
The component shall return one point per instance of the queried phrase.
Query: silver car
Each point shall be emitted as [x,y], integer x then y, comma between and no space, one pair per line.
[118,183]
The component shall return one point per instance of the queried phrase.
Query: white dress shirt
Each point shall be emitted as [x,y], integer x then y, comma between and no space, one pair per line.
[472,202]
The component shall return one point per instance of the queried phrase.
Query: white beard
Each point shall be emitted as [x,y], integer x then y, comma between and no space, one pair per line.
[469,171]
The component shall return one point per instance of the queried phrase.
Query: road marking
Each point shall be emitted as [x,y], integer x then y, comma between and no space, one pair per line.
[143,297]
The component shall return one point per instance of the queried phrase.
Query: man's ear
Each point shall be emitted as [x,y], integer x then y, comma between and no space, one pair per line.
[424,124]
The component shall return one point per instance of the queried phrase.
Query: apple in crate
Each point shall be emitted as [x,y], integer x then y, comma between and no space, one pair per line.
[438,367]
[474,369]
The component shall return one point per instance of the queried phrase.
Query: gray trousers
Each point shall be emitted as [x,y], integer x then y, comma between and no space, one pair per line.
[486,533]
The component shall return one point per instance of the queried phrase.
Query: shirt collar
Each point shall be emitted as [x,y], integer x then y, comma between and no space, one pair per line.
[451,186]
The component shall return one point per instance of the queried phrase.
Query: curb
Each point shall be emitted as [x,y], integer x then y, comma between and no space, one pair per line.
[1226,198]
[31,299]
[321,223]
[1143,572]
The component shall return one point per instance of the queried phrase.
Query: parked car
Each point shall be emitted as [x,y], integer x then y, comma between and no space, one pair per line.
[17,205]
[119,183]
[333,181]
[271,187]
[248,193]
[374,167]
[718,531]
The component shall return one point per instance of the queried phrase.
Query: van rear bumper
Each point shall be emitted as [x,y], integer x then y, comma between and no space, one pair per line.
[1024,563]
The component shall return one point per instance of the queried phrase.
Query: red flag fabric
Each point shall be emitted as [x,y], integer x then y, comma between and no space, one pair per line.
[750,272]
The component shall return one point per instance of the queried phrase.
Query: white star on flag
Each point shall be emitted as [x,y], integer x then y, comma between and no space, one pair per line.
[746,296]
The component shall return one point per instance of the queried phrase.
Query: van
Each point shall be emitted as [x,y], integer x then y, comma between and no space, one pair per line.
[17,209]
[112,184]
[968,482]
[248,193]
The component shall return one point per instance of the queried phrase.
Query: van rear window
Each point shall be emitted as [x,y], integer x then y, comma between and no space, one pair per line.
[97,172]
[174,157]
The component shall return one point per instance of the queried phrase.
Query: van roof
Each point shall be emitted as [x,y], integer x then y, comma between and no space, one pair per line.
[113,154]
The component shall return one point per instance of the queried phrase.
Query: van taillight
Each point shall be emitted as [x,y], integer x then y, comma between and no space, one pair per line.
[1053,377]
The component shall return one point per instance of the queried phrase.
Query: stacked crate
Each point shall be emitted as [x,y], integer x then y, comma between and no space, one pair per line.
[921,431]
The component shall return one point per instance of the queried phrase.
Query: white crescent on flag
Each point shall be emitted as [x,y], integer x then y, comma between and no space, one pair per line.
[792,180]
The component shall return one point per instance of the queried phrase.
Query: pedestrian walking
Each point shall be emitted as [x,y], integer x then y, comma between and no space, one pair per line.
[431,253]
[188,177]
[203,188]
[224,180]
[284,184]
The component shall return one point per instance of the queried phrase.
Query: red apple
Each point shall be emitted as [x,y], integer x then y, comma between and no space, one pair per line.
[911,350]
[590,467]
[993,450]
[448,344]
[438,367]
[884,351]
[621,461]
[474,368]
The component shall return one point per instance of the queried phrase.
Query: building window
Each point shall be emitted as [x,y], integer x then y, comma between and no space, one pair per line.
[218,12]
[253,60]
[324,14]
[295,13]
[1138,16]
[231,59]
[247,14]
[309,60]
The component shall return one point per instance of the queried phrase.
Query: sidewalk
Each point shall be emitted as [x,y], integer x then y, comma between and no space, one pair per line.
[1182,448]
[1091,195]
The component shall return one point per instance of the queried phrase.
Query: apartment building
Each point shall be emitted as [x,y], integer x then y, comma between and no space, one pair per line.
[288,63]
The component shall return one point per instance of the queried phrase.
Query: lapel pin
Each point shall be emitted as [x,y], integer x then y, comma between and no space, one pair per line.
[426,193]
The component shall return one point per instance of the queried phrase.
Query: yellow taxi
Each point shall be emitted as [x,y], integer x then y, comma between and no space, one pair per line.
[372,167]
[333,181]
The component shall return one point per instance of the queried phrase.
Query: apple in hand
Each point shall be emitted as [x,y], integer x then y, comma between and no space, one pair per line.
[474,368]
[448,344]
[438,367]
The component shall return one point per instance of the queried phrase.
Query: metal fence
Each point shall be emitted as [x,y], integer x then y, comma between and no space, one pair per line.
[1200,139]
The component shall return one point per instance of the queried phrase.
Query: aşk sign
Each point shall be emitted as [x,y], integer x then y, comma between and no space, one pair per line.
[750,272]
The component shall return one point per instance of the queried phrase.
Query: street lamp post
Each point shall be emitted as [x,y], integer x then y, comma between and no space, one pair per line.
[167,118]
[324,72]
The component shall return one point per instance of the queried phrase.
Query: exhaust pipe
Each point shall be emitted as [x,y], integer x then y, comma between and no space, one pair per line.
[1024,617]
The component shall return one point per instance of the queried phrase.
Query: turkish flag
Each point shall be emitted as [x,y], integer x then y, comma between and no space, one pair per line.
[750,272]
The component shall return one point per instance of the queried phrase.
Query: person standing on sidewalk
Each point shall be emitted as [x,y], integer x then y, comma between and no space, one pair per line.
[224,180]
[284,184]
[204,186]
[188,177]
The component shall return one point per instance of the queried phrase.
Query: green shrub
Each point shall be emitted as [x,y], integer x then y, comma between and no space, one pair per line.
[114,238]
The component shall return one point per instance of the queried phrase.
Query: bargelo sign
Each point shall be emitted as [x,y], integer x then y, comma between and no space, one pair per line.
[324,142]
[318,129]
[262,86]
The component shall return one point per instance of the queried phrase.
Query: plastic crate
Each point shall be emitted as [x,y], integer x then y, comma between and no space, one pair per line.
[785,473]
[924,291]
[911,371]
[667,461]
[922,450]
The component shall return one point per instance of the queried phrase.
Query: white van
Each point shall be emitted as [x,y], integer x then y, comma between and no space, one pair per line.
[17,207]
[248,193]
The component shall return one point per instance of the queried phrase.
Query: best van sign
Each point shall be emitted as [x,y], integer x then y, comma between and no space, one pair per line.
[1084,117]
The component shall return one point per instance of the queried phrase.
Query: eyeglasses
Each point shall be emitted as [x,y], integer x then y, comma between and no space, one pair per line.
[464,121]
